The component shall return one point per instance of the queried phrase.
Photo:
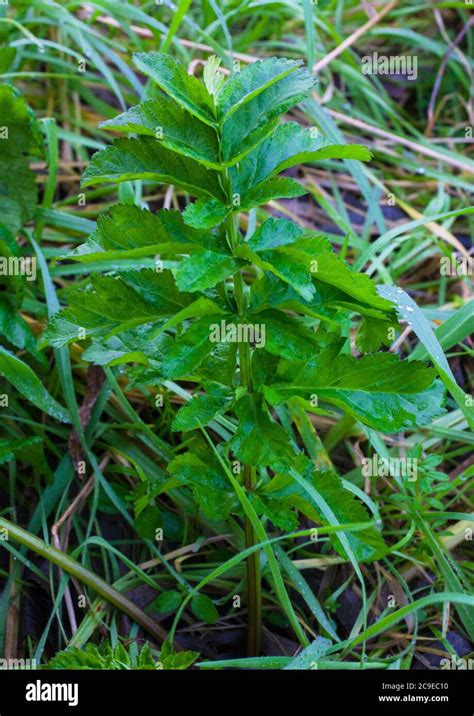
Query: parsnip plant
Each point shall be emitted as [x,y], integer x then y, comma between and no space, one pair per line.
[258,323]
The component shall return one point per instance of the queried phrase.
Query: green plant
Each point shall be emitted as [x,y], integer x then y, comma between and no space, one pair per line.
[117,657]
[258,324]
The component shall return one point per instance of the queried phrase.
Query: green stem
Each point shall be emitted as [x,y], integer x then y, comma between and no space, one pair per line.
[69,565]
[254,592]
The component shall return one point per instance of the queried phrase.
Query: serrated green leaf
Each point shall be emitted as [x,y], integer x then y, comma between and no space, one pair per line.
[16,330]
[19,127]
[274,233]
[275,188]
[205,269]
[321,496]
[286,263]
[141,295]
[189,349]
[60,331]
[277,510]
[178,661]
[272,292]
[89,657]
[300,260]
[331,269]
[142,344]
[251,99]
[116,304]
[285,336]
[127,231]
[290,144]
[175,128]
[19,135]
[205,214]
[104,657]
[252,81]
[259,440]
[147,159]
[373,333]
[172,77]
[380,390]
[157,288]
[146,660]
[202,306]
[212,491]
[219,366]
[201,409]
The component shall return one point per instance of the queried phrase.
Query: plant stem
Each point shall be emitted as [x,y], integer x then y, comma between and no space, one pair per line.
[254,593]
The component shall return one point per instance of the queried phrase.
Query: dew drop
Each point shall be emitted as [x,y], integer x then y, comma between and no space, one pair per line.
[410,309]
